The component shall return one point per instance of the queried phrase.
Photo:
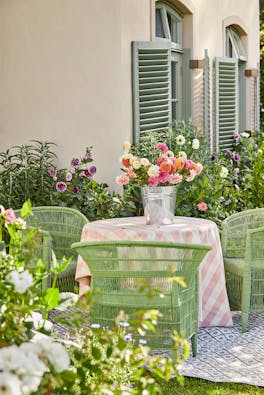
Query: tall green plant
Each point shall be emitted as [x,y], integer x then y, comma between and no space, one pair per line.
[24,174]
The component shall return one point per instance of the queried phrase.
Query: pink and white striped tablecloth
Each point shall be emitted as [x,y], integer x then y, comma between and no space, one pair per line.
[214,305]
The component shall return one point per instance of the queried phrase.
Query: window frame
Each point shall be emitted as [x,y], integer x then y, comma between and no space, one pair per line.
[164,11]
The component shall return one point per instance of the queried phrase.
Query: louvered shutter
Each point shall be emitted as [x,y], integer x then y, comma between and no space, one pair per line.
[151,86]
[207,102]
[226,109]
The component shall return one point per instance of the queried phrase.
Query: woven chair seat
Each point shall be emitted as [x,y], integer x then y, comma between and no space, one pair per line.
[242,241]
[131,275]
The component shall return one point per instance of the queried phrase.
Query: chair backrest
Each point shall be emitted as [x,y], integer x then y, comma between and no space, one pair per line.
[234,231]
[132,274]
[64,224]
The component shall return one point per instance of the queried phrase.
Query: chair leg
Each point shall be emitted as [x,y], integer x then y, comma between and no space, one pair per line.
[244,321]
[194,341]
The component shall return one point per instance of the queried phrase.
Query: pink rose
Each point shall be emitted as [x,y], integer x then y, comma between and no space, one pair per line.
[122,180]
[153,181]
[202,206]
[175,178]
[192,175]
[163,147]
[163,177]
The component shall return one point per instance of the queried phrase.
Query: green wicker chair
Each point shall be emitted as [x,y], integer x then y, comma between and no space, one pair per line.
[120,269]
[242,241]
[65,226]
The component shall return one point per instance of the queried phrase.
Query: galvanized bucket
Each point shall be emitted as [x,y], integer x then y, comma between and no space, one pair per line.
[159,204]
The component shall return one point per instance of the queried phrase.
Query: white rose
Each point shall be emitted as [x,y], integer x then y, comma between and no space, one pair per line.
[145,162]
[223,172]
[136,164]
[153,171]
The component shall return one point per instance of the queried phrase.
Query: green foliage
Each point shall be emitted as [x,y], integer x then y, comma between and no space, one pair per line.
[24,174]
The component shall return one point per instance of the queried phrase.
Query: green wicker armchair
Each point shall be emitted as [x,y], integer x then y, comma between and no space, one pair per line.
[120,269]
[65,226]
[242,241]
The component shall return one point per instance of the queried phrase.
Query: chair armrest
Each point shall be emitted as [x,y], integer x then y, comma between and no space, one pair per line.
[255,247]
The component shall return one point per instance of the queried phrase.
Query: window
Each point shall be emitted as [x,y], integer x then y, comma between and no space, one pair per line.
[230,91]
[159,68]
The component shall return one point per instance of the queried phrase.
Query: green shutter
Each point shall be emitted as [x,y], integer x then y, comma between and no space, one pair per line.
[257,99]
[207,101]
[226,109]
[187,85]
[151,86]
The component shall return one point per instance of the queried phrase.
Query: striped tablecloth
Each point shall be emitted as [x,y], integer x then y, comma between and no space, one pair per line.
[214,305]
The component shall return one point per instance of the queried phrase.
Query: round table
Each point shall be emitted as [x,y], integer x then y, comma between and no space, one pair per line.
[213,300]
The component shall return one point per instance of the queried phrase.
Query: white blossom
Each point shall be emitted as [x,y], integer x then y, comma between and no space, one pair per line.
[180,139]
[182,155]
[245,135]
[223,172]
[136,163]
[126,147]
[21,281]
[144,162]
[9,384]
[195,144]
[55,352]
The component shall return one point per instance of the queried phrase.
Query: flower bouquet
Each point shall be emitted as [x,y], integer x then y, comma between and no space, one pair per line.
[157,180]
[166,170]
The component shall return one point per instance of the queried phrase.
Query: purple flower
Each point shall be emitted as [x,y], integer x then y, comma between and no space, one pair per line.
[88,154]
[229,153]
[68,176]
[75,190]
[61,186]
[236,136]
[87,173]
[52,172]
[124,324]
[128,337]
[75,162]
[236,157]
[213,157]
[236,171]
[92,169]
[142,341]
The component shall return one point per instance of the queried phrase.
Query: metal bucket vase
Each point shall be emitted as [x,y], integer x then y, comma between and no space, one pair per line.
[159,204]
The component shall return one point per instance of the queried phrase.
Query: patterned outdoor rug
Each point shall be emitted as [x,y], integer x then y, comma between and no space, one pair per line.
[227,355]
[224,354]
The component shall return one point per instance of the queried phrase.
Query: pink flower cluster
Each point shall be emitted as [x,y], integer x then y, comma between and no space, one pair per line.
[166,169]
[10,218]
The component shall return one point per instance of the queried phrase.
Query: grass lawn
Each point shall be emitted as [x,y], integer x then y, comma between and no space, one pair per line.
[203,387]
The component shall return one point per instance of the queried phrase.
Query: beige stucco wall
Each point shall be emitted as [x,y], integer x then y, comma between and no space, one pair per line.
[65,68]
